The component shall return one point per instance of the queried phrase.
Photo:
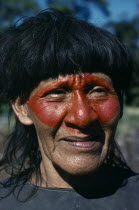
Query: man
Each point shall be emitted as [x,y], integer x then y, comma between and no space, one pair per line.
[65,80]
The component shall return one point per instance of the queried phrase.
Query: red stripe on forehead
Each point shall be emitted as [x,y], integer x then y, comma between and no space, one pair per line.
[74,82]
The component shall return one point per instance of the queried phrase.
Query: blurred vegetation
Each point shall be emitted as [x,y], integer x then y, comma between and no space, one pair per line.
[129,120]
[128,32]
[11,10]
[127,136]
[79,8]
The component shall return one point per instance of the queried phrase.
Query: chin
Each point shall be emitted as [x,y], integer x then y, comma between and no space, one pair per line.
[81,167]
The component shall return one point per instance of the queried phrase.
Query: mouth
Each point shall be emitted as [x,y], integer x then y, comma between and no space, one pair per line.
[82,142]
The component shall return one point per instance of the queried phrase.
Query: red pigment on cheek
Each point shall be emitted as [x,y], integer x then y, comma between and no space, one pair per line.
[107,110]
[48,113]
[51,113]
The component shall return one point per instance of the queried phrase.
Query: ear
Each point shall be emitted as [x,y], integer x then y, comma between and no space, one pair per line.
[22,112]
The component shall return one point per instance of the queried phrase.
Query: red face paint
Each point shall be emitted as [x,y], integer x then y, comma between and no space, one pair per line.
[70,108]
[75,99]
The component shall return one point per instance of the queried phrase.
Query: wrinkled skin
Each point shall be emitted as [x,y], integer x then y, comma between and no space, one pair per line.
[75,118]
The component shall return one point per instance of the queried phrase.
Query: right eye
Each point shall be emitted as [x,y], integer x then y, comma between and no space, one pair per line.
[56,94]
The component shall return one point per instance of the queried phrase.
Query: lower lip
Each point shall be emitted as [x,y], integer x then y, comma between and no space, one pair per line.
[82,144]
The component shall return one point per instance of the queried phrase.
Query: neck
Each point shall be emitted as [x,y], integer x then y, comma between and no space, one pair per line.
[101,183]
[54,177]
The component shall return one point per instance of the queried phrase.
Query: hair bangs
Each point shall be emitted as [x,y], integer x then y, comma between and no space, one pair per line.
[77,47]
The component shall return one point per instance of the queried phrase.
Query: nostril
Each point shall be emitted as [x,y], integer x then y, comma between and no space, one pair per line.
[81,121]
[71,125]
[93,126]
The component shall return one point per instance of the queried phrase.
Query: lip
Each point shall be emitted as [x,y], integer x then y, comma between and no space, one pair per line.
[81,142]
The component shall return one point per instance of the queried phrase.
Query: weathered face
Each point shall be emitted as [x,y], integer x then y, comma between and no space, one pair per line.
[75,118]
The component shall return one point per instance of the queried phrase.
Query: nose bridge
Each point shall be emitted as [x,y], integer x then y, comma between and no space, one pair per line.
[80,112]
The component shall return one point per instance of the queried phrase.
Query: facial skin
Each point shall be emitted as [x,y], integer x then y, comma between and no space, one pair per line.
[75,118]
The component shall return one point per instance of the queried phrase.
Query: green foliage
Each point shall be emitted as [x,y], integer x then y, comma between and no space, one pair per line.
[133,92]
[11,9]
[79,8]
[62,5]
[129,121]
[128,32]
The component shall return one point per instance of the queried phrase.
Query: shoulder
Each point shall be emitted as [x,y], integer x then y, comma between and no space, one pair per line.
[50,198]
[128,193]
[131,183]
[134,179]
[13,196]
[6,197]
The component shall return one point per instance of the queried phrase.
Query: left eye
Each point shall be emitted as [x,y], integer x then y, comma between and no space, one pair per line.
[99,90]
[55,93]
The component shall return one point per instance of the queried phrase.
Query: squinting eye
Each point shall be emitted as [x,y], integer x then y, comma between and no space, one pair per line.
[55,93]
[99,90]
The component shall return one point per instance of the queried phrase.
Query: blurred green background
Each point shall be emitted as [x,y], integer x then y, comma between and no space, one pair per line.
[119,17]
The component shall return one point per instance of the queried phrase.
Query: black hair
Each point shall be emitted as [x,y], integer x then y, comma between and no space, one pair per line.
[46,46]
[52,44]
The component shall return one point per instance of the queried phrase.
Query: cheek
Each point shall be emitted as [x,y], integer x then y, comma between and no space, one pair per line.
[49,114]
[108,109]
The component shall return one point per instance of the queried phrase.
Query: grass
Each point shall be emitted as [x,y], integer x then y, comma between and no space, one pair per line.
[127,136]
[129,121]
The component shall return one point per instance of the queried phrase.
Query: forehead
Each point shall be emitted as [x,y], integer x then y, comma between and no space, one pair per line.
[75,81]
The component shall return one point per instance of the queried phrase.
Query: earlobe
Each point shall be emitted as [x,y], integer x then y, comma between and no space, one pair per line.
[22,112]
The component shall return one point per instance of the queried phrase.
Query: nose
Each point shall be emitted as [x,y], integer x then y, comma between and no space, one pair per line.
[80,112]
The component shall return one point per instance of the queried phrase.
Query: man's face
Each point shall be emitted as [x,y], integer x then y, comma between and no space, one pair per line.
[75,117]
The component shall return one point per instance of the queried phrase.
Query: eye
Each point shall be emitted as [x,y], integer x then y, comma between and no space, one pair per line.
[99,90]
[57,93]
[98,93]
